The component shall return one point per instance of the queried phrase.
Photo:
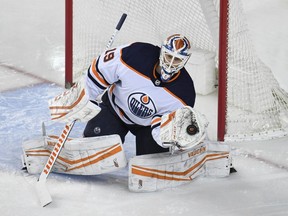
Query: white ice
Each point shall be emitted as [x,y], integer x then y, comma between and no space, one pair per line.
[31,52]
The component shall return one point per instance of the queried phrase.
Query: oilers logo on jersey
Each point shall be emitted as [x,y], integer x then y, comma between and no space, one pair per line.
[141,105]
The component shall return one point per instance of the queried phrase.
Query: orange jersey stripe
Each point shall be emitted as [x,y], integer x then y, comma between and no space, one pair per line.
[111,88]
[97,75]
[131,68]
[166,89]
[156,120]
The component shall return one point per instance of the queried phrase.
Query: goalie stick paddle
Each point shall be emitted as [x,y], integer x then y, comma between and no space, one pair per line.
[41,187]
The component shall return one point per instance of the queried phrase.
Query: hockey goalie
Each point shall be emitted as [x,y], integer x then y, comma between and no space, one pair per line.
[145,90]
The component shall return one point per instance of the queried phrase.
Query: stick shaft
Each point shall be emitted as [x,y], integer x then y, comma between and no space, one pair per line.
[41,188]
[118,27]
[56,151]
[43,193]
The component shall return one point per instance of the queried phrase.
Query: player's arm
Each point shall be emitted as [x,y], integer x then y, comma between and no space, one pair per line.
[155,128]
[79,103]
[103,72]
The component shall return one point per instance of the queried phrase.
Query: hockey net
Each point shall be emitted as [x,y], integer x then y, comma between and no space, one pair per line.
[256,106]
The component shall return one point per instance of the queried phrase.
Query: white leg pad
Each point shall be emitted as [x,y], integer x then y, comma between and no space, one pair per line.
[160,171]
[221,166]
[80,156]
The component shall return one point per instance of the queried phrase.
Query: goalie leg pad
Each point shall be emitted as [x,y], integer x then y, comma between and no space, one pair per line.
[160,171]
[220,167]
[80,156]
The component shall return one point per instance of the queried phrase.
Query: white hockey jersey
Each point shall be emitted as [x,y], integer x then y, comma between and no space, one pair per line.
[134,87]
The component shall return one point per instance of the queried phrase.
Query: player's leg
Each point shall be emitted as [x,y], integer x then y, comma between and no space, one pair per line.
[105,123]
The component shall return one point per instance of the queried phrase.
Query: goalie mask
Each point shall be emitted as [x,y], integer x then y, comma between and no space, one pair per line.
[175,52]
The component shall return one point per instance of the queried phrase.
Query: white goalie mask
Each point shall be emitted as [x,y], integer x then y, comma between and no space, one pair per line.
[174,54]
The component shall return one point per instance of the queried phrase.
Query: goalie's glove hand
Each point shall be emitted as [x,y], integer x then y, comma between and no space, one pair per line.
[183,128]
[73,104]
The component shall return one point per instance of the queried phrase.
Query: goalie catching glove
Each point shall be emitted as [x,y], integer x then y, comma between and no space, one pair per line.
[183,128]
[73,104]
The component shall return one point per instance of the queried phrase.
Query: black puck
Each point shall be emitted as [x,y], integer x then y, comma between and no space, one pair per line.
[192,129]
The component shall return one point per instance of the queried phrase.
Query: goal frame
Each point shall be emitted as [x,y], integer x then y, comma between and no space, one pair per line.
[68,43]
[222,60]
[222,68]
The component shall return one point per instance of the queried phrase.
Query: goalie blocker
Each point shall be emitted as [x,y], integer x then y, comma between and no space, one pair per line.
[73,104]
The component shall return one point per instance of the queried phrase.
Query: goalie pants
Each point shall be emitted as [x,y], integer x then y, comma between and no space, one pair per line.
[107,122]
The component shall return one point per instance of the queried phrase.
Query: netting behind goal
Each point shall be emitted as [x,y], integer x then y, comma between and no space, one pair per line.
[256,105]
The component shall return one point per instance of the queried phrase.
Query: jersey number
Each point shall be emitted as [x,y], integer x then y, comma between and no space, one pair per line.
[109,54]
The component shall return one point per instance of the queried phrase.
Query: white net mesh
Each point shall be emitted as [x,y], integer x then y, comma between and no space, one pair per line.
[253,109]
[147,21]
[256,105]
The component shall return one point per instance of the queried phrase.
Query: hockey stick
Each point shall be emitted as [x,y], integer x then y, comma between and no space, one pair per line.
[41,187]
[118,27]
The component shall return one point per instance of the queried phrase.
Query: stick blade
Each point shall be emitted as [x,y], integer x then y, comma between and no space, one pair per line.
[43,193]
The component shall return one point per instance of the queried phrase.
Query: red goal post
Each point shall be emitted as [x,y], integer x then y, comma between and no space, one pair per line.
[222,68]
[251,105]
[68,43]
